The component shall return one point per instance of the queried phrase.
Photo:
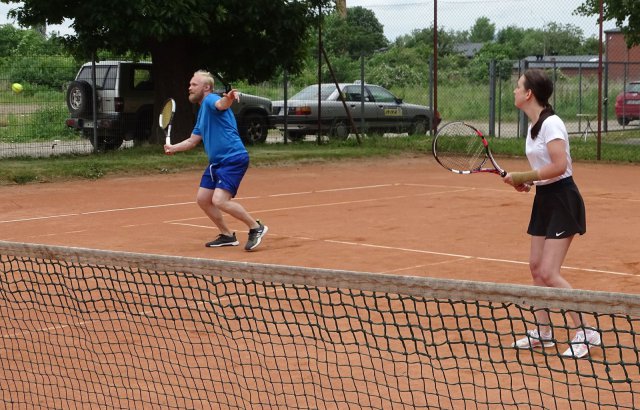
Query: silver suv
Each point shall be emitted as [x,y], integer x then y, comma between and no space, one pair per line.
[124,105]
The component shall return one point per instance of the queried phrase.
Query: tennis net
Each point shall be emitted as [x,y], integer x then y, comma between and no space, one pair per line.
[82,328]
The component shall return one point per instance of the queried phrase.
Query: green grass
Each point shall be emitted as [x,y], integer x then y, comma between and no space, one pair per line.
[149,160]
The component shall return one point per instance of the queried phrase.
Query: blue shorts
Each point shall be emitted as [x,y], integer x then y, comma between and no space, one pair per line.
[227,175]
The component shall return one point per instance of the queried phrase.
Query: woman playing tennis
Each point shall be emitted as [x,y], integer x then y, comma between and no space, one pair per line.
[558,211]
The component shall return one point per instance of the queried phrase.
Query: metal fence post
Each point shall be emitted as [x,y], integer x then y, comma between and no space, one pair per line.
[492,97]
[431,132]
[285,107]
[524,65]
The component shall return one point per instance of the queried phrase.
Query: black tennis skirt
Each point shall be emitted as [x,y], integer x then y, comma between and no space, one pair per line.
[558,211]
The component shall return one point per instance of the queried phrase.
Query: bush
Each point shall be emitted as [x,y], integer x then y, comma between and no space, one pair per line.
[48,71]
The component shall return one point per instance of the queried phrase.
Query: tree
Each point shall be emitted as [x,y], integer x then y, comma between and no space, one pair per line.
[10,37]
[553,39]
[248,39]
[479,66]
[482,31]
[15,41]
[447,40]
[564,39]
[626,14]
[360,33]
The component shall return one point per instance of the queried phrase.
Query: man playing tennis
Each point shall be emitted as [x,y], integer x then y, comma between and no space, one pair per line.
[216,127]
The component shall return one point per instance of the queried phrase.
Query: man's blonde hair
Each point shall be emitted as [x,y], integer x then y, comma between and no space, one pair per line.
[206,76]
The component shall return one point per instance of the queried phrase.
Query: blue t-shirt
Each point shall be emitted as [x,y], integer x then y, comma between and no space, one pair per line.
[219,131]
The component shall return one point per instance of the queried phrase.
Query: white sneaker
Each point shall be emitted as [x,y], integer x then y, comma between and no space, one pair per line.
[579,345]
[533,339]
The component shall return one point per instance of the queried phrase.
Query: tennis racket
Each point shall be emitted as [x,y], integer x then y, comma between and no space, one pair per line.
[462,149]
[166,117]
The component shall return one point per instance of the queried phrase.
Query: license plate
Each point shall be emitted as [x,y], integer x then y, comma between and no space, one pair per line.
[633,102]
[88,124]
[393,112]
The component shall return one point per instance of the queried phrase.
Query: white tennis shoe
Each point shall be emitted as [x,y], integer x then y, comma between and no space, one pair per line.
[533,339]
[582,342]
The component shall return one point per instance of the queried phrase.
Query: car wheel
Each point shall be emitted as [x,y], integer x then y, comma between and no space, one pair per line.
[624,120]
[106,143]
[339,131]
[419,126]
[79,98]
[254,128]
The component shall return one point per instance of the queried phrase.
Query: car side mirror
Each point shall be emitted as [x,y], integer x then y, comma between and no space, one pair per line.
[398,100]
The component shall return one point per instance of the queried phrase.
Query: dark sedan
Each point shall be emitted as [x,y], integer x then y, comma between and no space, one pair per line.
[383,112]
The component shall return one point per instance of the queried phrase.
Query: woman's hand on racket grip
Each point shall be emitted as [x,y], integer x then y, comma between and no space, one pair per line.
[508,179]
[517,179]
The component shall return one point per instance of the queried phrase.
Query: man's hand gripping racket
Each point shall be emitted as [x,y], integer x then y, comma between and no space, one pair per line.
[166,117]
[462,149]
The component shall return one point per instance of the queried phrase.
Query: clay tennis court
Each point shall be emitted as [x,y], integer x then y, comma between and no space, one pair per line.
[404,216]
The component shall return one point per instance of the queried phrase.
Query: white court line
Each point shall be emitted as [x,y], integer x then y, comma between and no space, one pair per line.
[104,211]
[480,258]
[329,190]
[448,189]
[426,252]
[368,245]
[319,205]
[135,208]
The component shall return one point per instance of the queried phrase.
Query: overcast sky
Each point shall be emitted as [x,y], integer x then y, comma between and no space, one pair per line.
[4,9]
[402,16]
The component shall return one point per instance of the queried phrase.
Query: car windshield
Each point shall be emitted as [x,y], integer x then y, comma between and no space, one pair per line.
[633,88]
[311,92]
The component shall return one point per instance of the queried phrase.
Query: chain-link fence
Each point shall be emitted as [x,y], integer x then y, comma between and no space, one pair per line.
[33,121]
[462,82]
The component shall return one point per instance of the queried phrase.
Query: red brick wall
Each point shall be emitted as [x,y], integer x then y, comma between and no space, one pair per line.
[618,55]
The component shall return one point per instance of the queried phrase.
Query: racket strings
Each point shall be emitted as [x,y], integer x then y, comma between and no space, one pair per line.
[459,147]
[166,114]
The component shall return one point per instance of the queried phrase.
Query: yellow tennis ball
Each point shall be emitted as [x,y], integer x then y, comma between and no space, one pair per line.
[16,87]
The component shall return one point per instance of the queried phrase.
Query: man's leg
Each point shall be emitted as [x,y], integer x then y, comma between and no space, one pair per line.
[206,202]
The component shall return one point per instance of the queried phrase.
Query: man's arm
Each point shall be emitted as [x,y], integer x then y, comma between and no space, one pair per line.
[185,145]
[227,99]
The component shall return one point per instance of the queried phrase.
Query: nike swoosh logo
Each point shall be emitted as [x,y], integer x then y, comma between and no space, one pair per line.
[559,233]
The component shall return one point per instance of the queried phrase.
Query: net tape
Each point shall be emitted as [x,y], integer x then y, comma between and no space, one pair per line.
[128,330]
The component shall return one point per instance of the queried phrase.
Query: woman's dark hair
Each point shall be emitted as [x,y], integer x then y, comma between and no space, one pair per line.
[542,87]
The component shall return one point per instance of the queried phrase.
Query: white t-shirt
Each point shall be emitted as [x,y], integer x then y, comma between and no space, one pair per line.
[536,150]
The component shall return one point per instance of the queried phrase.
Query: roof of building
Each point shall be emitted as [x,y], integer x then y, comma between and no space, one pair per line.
[575,62]
[469,50]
